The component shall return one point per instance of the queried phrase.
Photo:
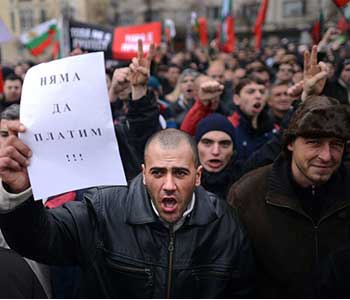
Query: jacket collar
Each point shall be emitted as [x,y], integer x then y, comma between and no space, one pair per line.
[139,209]
[281,193]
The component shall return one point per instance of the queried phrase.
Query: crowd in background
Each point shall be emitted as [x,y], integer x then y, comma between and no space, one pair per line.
[236,106]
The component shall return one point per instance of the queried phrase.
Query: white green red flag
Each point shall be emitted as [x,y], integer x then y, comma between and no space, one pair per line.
[40,37]
[170,30]
[226,31]
[344,20]
[317,29]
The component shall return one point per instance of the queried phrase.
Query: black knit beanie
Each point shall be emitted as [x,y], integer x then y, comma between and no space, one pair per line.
[214,122]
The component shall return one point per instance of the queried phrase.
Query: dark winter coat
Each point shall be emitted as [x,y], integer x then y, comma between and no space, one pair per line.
[17,280]
[126,252]
[289,245]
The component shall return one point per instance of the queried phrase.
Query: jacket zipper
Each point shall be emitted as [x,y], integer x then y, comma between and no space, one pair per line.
[170,261]
[314,225]
[313,191]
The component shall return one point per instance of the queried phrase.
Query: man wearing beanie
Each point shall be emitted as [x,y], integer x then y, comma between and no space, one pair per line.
[214,137]
[297,209]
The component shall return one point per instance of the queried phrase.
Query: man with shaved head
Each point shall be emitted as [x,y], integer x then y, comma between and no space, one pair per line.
[163,236]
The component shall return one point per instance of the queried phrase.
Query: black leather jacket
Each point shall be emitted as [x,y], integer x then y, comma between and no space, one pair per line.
[126,252]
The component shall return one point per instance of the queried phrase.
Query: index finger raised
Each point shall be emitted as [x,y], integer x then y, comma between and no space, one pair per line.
[151,53]
[139,49]
[313,56]
[306,60]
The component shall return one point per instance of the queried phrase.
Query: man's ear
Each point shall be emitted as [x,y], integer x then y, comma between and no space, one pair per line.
[143,174]
[236,99]
[198,175]
[290,146]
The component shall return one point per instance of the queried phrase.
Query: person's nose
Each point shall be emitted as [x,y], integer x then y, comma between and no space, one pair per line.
[259,95]
[169,184]
[215,150]
[325,152]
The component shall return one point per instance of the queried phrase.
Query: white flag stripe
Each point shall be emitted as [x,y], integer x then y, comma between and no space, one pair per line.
[38,30]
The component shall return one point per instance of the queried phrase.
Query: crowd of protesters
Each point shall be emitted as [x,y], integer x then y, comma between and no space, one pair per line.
[248,195]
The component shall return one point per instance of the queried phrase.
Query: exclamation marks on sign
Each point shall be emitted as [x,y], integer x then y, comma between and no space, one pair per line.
[74,157]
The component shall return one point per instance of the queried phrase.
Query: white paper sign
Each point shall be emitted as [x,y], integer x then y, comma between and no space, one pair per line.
[66,112]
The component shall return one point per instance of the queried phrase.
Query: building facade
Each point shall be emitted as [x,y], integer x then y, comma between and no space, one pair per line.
[285,18]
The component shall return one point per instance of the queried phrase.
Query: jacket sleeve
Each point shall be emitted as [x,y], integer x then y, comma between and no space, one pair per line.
[197,112]
[64,235]
[263,156]
[142,121]
[244,285]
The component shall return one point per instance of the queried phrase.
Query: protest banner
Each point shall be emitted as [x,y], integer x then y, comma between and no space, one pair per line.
[125,39]
[90,37]
[66,112]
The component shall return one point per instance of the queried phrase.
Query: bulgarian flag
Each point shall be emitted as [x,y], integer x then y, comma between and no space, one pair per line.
[344,8]
[317,29]
[40,37]
[170,30]
[226,31]
[259,23]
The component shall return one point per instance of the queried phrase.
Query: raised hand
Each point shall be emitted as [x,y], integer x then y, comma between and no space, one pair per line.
[315,74]
[77,51]
[208,89]
[296,89]
[14,159]
[140,66]
[120,83]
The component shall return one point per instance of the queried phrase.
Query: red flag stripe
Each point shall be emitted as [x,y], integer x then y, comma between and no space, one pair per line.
[260,19]
[341,3]
[1,81]
[203,31]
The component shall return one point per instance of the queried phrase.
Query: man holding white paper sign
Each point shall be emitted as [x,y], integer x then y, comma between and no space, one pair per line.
[163,236]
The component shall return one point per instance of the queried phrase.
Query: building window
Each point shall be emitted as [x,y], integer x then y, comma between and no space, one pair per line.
[13,21]
[126,18]
[43,16]
[213,12]
[293,8]
[26,19]
[248,14]
[156,16]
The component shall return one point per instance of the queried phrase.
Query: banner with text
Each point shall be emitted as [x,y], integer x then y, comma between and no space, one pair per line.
[125,39]
[90,37]
[66,111]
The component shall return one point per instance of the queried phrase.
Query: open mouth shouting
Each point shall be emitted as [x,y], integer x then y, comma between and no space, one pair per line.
[215,163]
[257,107]
[168,204]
